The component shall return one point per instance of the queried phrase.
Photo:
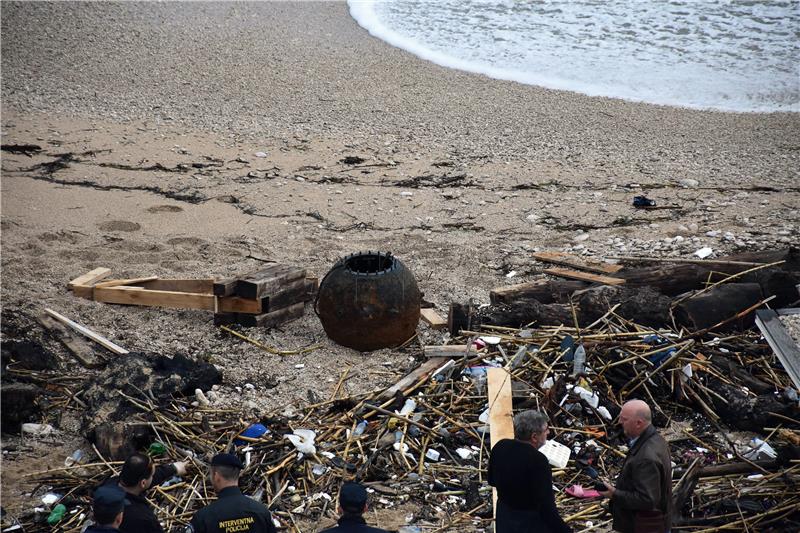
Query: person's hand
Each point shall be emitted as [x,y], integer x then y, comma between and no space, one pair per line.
[610,490]
[180,468]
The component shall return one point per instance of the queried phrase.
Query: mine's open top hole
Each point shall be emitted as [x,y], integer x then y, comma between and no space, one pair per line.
[370,263]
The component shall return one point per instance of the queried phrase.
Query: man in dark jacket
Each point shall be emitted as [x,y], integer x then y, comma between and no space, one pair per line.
[138,474]
[641,501]
[233,511]
[108,504]
[352,506]
[524,480]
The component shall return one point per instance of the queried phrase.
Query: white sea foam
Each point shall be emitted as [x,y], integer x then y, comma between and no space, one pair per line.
[732,56]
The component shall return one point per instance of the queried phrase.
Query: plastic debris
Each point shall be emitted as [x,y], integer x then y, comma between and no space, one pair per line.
[56,515]
[38,430]
[643,201]
[704,252]
[303,441]
[557,454]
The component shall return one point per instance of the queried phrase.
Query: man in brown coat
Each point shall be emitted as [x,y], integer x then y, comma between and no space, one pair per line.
[641,501]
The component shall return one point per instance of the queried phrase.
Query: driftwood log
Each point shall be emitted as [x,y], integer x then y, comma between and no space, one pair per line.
[719,304]
[648,295]
[678,278]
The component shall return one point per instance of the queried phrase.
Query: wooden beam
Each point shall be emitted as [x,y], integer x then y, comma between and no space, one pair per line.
[181,285]
[290,294]
[78,346]
[273,318]
[224,319]
[563,259]
[312,287]
[501,415]
[236,304]
[83,330]
[583,276]
[82,286]
[90,278]
[129,295]
[138,296]
[450,350]
[269,280]
[421,372]
[225,287]
[119,282]
[433,319]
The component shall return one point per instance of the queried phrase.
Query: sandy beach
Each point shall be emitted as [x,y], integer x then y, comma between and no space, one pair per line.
[463,177]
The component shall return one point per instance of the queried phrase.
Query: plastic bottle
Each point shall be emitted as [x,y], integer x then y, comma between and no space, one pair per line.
[408,407]
[580,360]
[57,514]
[75,458]
[360,428]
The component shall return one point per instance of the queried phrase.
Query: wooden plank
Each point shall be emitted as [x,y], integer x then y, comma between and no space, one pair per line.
[781,342]
[90,278]
[138,296]
[83,330]
[181,285]
[584,276]
[176,299]
[501,415]
[119,282]
[225,287]
[450,350]
[83,291]
[256,287]
[564,259]
[433,319]
[273,318]
[291,294]
[81,349]
[501,418]
[421,372]
[225,319]
[236,304]
[312,287]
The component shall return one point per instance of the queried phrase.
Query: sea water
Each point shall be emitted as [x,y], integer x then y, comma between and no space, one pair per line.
[710,54]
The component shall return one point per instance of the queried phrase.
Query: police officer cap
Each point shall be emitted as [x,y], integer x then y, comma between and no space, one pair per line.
[352,497]
[109,498]
[227,459]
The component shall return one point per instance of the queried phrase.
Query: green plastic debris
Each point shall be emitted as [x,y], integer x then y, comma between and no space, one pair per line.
[157,448]
[57,514]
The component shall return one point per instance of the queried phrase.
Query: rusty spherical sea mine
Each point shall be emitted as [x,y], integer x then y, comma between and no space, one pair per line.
[368,301]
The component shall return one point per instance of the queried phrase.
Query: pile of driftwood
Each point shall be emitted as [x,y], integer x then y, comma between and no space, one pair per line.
[719,395]
[425,441]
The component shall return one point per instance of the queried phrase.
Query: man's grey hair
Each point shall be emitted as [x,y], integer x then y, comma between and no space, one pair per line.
[529,422]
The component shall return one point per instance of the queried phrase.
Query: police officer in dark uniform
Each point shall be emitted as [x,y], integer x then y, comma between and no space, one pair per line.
[352,506]
[108,504]
[233,511]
